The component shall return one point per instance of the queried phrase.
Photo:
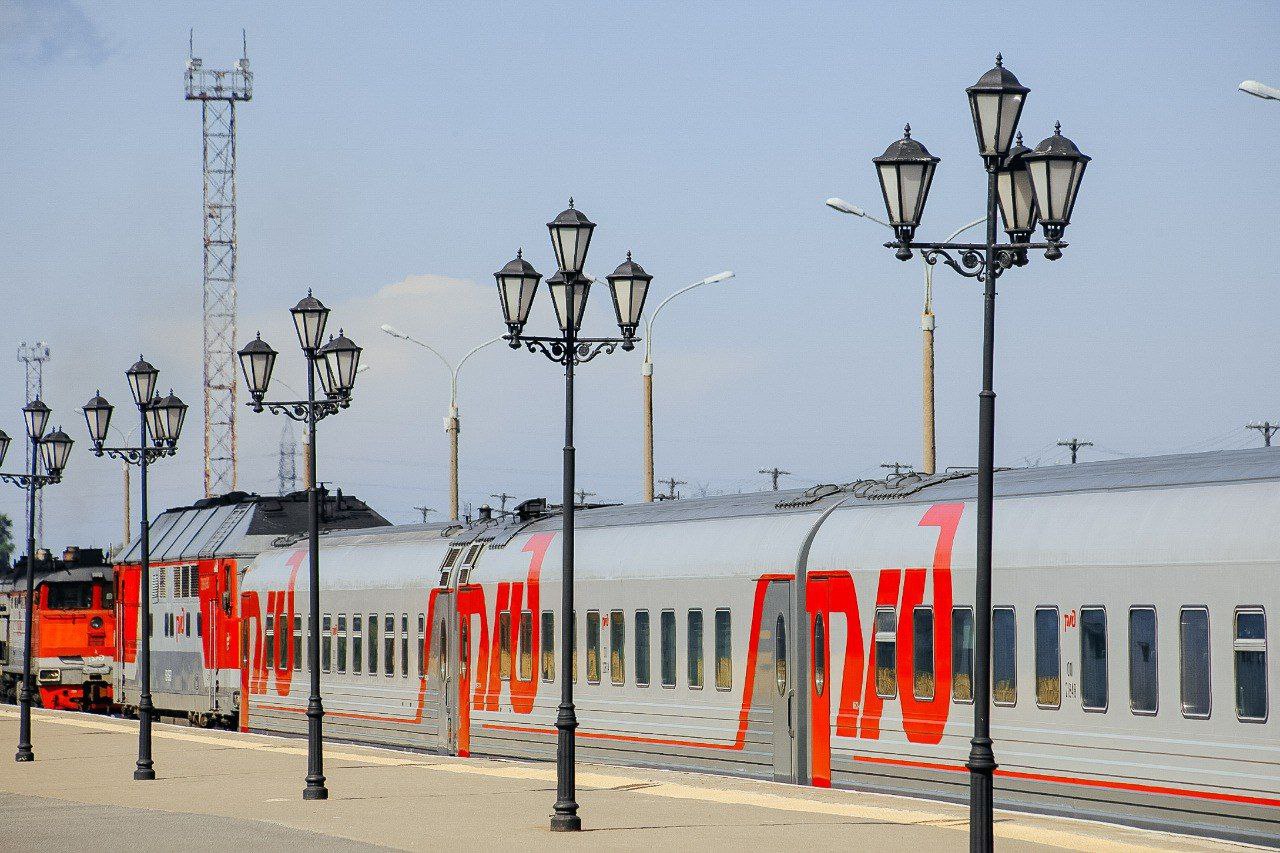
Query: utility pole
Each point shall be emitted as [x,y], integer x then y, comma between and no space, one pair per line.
[1267,428]
[898,467]
[424,510]
[671,483]
[33,357]
[927,324]
[502,499]
[775,473]
[1075,444]
[583,494]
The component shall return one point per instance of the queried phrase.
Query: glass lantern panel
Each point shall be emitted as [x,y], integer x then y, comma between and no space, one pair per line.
[892,197]
[911,176]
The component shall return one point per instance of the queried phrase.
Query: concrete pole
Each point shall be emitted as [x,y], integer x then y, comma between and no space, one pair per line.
[648,430]
[128,526]
[452,425]
[307,467]
[930,442]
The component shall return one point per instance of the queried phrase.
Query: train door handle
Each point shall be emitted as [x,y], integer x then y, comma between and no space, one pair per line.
[791,729]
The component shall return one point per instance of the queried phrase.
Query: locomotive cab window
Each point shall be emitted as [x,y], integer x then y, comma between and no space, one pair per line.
[617,647]
[922,653]
[548,646]
[593,647]
[1144,673]
[668,643]
[886,641]
[1250,647]
[695,650]
[1193,641]
[1093,658]
[724,650]
[1048,658]
[962,654]
[642,648]
[1004,656]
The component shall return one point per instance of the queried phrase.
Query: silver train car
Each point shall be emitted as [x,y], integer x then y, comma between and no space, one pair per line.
[825,637]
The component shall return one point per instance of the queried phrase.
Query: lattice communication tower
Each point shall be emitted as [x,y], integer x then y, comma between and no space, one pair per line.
[33,357]
[287,470]
[218,92]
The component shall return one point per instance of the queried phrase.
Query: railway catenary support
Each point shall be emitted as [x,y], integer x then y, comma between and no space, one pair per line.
[160,422]
[336,362]
[569,286]
[52,451]
[1026,185]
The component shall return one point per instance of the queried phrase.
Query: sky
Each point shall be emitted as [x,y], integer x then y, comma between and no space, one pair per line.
[395,155]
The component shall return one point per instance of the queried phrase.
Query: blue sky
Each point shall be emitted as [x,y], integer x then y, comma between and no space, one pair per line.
[395,155]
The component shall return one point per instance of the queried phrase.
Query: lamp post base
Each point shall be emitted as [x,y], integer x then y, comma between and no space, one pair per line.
[144,774]
[566,823]
[25,755]
[319,792]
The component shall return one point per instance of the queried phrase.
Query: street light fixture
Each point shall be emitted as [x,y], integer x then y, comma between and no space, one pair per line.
[160,423]
[453,422]
[647,375]
[517,284]
[1260,90]
[51,453]
[336,365]
[1056,167]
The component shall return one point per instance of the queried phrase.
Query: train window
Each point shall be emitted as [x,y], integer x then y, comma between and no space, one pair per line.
[1250,647]
[526,645]
[642,648]
[1144,675]
[1093,658]
[1193,642]
[357,643]
[962,654]
[422,638]
[724,650]
[504,645]
[269,643]
[1048,658]
[667,641]
[1004,656]
[819,654]
[617,647]
[186,629]
[922,653]
[886,641]
[404,645]
[373,643]
[593,647]
[450,558]
[694,650]
[326,642]
[199,624]
[442,652]
[342,642]
[780,655]
[548,646]
[297,642]
[69,596]
[389,645]
[108,595]
[226,590]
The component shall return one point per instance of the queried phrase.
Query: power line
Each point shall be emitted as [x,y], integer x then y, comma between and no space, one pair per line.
[1075,444]
[774,473]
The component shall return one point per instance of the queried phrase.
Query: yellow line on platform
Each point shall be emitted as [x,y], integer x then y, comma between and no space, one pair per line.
[1006,827]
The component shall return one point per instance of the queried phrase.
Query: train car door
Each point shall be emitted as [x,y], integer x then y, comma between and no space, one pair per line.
[776,641]
[441,700]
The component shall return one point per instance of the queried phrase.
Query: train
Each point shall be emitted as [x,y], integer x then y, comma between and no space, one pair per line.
[820,636]
[73,645]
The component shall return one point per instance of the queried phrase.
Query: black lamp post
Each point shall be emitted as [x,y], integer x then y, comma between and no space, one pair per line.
[517,284]
[160,422]
[335,364]
[49,452]
[1026,186]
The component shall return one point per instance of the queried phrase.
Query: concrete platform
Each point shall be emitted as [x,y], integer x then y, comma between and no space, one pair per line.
[223,790]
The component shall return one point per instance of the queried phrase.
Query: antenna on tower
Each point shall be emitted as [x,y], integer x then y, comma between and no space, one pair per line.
[218,91]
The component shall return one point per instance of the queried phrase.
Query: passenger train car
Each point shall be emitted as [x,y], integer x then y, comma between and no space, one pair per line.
[74,640]
[825,637]
[198,553]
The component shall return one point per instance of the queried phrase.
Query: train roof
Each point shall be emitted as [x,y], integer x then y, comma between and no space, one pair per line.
[240,524]
[1215,467]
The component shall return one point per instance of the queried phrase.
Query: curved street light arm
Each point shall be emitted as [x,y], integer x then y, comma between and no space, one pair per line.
[648,321]
[453,391]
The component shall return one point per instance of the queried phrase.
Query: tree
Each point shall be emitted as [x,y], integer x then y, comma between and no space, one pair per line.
[6,541]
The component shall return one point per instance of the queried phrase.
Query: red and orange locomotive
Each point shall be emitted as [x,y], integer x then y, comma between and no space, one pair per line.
[73,645]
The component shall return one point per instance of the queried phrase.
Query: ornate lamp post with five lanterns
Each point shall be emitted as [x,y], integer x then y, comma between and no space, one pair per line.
[335,363]
[160,422]
[50,452]
[569,286]
[1026,186]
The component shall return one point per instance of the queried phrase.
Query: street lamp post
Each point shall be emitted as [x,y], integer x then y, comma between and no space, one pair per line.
[647,374]
[927,326]
[160,422]
[335,364]
[453,422]
[50,451]
[1026,186]
[517,285]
